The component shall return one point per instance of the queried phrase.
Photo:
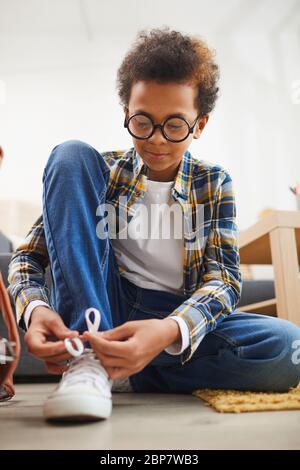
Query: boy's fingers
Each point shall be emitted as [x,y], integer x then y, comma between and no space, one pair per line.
[37,346]
[61,331]
[118,373]
[54,368]
[108,361]
[120,332]
[110,348]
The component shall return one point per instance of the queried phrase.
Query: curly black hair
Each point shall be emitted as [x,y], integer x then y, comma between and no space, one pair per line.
[167,56]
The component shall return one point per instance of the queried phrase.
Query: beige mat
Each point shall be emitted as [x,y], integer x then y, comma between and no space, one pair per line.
[234,401]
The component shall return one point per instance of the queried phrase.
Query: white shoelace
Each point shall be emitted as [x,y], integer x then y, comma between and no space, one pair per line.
[93,327]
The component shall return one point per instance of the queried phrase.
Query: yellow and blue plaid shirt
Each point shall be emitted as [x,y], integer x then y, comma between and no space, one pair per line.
[211,263]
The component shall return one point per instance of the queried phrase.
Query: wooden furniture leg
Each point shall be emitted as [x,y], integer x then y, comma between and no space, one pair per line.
[286,273]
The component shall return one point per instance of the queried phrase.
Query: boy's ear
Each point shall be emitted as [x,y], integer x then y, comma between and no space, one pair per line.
[201,124]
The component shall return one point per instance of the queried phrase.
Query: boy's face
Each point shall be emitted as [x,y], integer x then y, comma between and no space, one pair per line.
[161,101]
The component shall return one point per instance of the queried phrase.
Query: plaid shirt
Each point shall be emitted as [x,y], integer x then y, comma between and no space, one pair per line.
[211,272]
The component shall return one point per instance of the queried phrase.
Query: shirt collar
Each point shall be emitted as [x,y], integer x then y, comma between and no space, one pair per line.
[183,178]
[138,163]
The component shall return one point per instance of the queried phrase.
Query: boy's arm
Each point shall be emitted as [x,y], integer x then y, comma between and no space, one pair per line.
[221,288]
[26,272]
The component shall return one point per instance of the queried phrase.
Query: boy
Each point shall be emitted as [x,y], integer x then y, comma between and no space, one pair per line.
[168,318]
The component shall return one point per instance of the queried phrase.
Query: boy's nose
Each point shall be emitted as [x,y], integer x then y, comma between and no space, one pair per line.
[157,137]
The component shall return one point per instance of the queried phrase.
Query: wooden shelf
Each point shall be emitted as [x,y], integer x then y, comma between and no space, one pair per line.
[266,307]
[254,242]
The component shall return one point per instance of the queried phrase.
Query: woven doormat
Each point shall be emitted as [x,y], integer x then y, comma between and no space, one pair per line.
[234,401]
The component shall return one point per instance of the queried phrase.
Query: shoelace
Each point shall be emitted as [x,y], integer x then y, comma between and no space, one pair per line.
[93,327]
[84,360]
[85,369]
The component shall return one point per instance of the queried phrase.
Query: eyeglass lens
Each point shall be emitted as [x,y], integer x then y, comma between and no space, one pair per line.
[174,128]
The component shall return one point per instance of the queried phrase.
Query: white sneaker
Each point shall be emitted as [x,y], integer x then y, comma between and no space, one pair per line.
[84,392]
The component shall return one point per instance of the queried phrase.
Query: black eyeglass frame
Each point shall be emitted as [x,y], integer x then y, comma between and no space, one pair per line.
[161,126]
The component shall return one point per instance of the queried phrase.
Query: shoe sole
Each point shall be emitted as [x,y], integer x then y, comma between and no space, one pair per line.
[74,408]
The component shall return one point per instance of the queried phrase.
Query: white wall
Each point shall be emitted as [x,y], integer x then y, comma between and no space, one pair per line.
[58,63]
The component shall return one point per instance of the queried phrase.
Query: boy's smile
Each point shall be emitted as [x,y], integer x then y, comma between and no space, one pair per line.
[160,101]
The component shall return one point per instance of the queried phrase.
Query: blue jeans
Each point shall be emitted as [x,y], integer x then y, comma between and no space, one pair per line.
[245,352]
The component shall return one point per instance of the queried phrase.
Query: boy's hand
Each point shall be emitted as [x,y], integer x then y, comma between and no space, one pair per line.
[44,338]
[127,349]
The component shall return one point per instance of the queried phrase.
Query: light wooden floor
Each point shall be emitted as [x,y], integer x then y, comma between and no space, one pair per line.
[145,421]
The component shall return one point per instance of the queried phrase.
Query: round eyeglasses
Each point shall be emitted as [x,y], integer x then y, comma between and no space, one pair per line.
[175,128]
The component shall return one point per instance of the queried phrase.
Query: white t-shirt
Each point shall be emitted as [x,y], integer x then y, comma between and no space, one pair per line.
[153,256]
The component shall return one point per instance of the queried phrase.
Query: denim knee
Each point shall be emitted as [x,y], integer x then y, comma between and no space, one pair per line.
[73,155]
[271,354]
